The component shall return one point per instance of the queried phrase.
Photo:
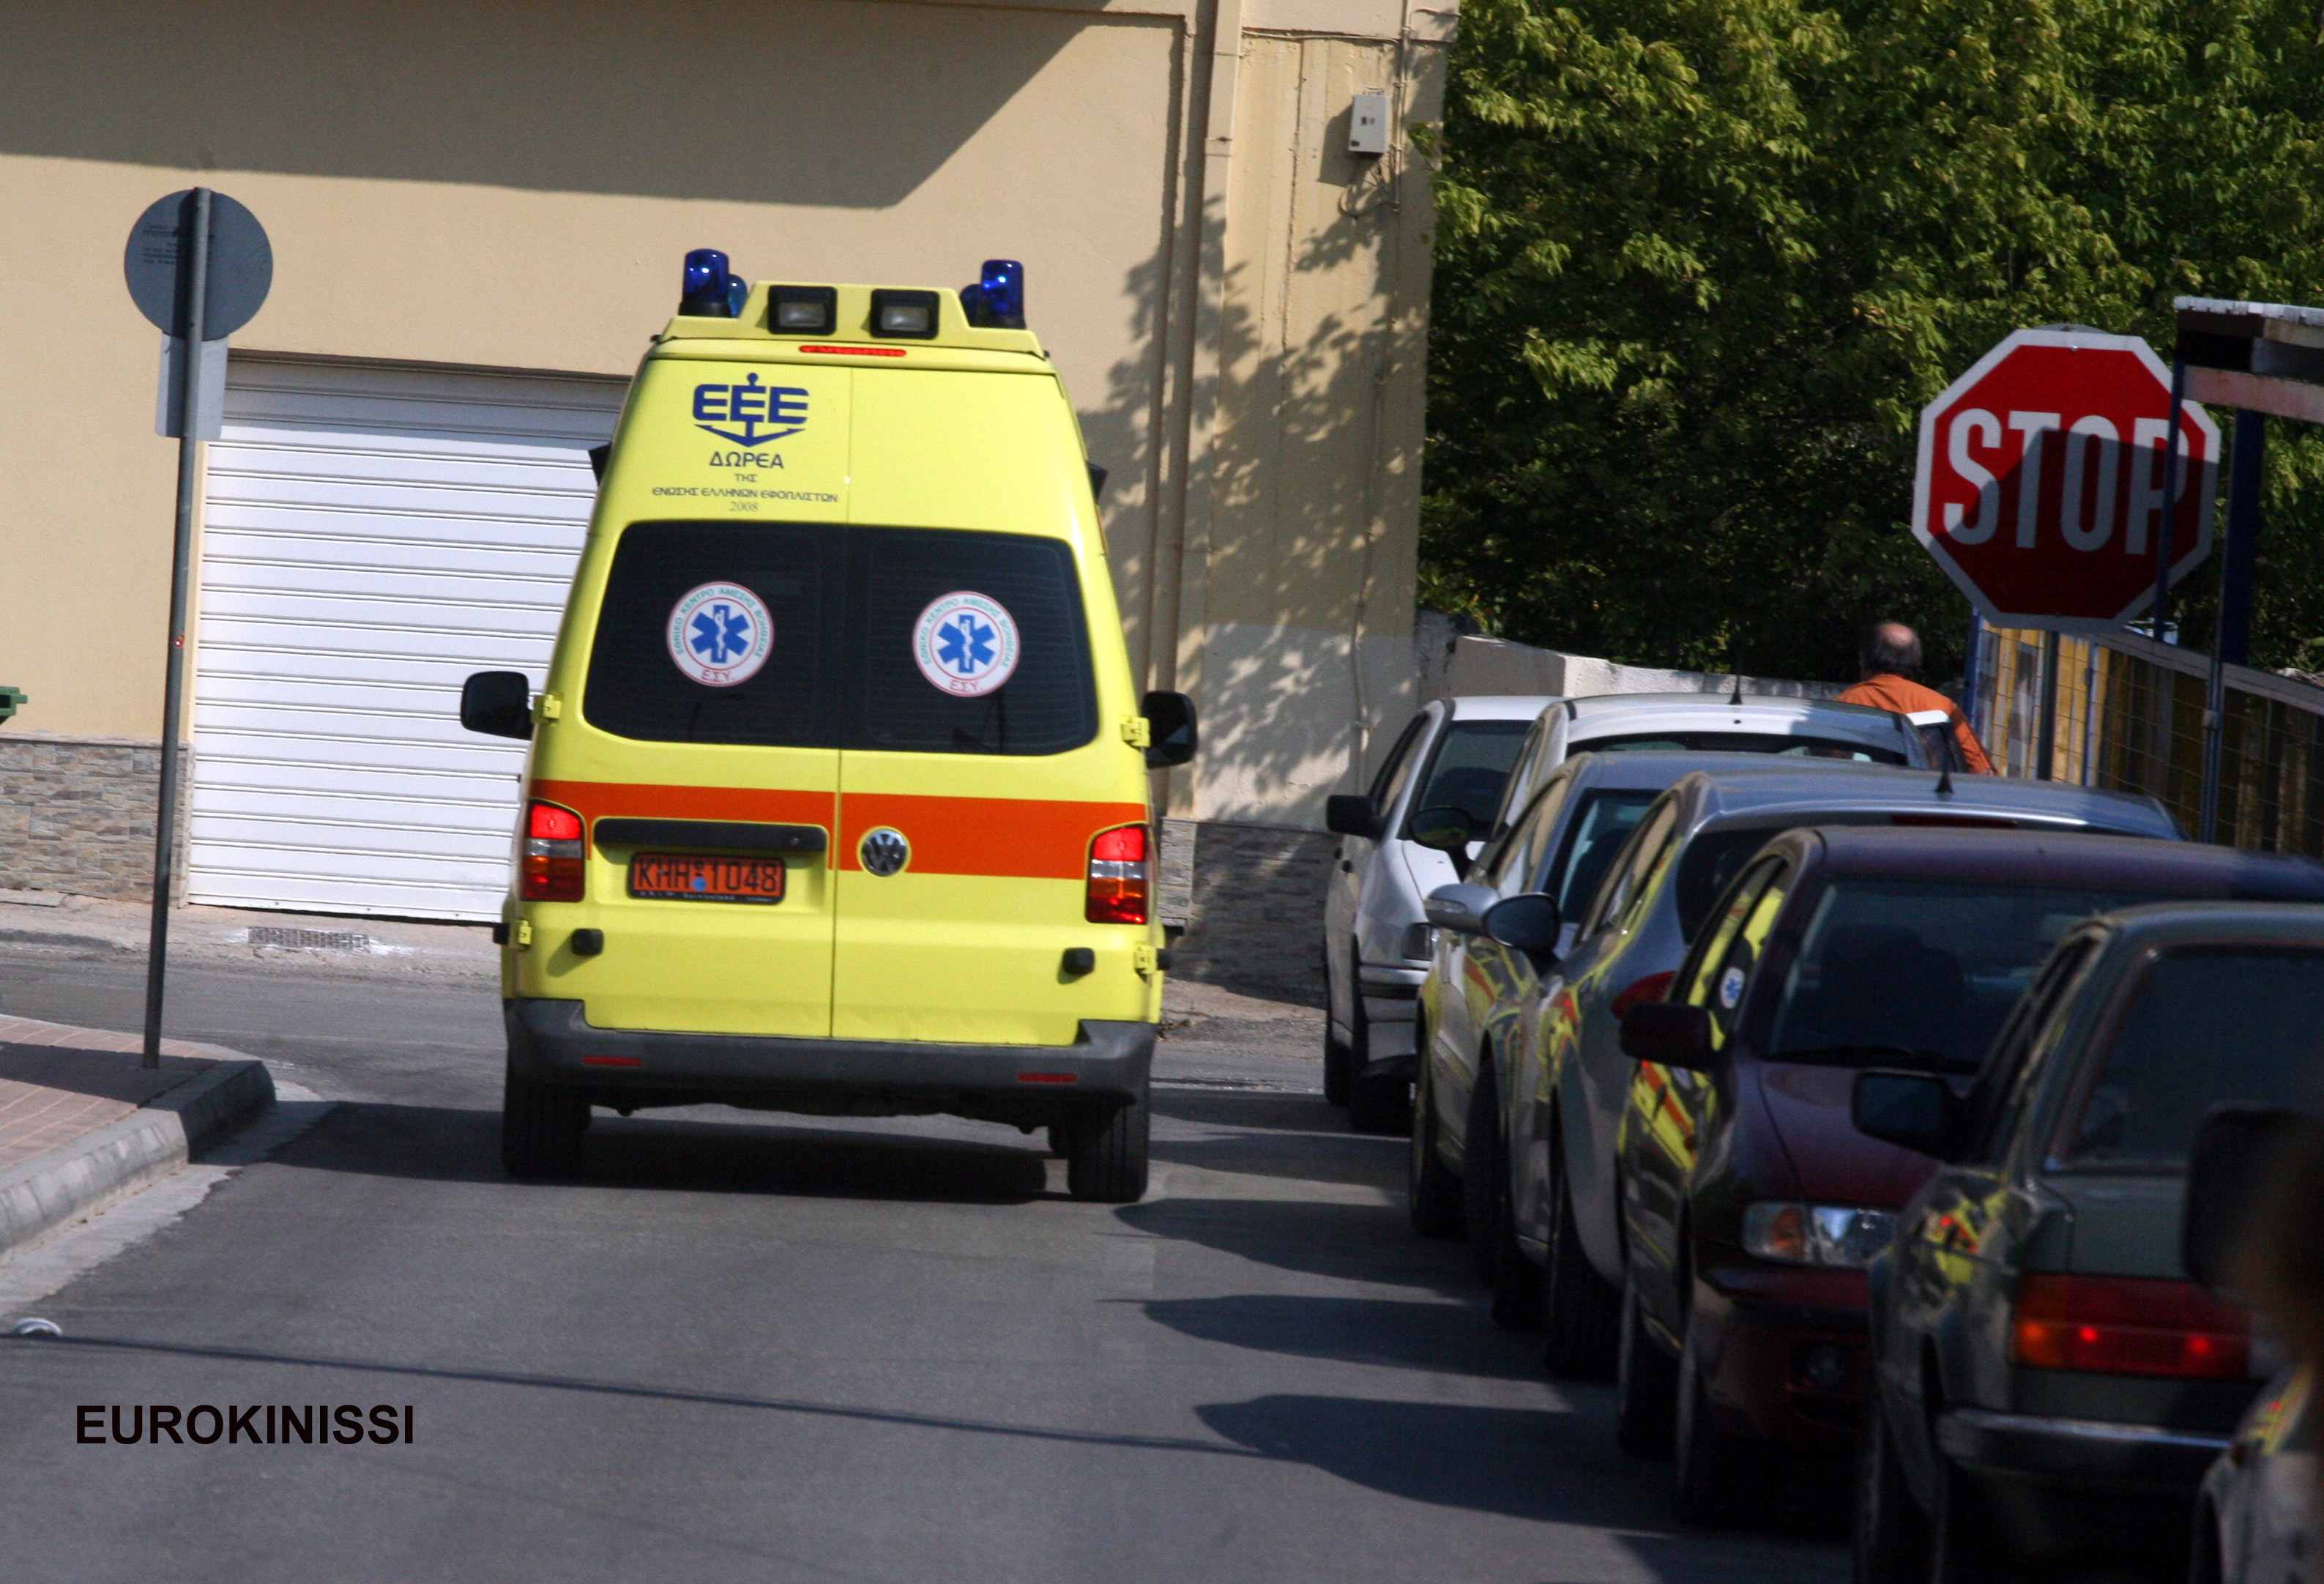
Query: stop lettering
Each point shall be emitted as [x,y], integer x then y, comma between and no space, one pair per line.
[2041,480]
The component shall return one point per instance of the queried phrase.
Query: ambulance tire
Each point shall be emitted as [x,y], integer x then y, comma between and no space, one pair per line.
[541,1125]
[1106,1156]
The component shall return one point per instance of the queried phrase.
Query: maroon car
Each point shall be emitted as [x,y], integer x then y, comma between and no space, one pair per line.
[1750,1202]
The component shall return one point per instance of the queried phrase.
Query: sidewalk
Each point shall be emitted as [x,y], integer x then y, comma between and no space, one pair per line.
[83,1123]
[89,926]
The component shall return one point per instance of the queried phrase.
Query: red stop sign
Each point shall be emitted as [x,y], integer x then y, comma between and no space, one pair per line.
[2039,489]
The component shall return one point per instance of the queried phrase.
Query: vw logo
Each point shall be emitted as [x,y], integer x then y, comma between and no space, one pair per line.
[884,851]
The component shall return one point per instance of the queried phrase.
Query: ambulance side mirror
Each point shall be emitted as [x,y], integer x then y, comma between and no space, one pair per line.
[1169,728]
[498,703]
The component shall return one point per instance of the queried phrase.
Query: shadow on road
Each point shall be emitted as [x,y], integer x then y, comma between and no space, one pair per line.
[1453,1338]
[1319,1237]
[448,1145]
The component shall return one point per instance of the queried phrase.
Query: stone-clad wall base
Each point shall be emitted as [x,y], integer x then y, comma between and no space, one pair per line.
[77,814]
[1254,922]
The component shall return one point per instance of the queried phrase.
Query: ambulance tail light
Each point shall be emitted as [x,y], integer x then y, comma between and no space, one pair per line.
[710,291]
[1117,886]
[550,868]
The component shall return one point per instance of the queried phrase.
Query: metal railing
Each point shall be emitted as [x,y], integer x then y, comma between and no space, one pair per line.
[2130,716]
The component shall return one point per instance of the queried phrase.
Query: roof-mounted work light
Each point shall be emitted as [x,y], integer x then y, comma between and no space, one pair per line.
[904,315]
[710,291]
[997,301]
[802,310]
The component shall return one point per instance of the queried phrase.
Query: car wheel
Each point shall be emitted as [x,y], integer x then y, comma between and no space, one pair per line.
[1723,1478]
[1106,1154]
[1581,1310]
[1645,1385]
[1433,1193]
[1338,1055]
[542,1124]
[2210,1562]
[1889,1529]
[1514,1281]
[1377,1103]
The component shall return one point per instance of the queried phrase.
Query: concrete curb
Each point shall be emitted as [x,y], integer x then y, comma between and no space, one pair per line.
[52,1190]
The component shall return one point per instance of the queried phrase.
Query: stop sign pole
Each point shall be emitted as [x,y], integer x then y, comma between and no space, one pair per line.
[2064,484]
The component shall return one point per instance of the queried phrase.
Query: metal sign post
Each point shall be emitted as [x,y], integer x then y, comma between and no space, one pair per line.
[198,281]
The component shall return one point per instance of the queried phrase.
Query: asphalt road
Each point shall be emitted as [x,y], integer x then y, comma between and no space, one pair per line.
[770,1349]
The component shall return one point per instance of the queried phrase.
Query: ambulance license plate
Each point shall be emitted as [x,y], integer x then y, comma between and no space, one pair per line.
[688,878]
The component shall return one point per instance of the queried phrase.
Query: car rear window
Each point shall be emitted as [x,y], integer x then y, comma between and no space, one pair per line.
[1920,972]
[1598,829]
[1740,742]
[2206,1026]
[819,635]
[1469,767]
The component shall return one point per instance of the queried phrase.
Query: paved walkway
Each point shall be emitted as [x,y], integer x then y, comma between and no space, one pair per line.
[58,1082]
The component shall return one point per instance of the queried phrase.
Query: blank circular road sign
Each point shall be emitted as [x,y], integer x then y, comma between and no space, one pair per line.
[242,265]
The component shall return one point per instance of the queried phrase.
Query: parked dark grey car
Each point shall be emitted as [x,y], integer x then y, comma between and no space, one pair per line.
[2046,1379]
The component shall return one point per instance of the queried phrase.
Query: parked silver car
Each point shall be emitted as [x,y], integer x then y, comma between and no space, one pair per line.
[1455,753]
[1706,723]
[1561,846]
[1459,753]
[1562,1074]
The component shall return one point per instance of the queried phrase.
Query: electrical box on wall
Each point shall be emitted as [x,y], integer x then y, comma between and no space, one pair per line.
[1367,124]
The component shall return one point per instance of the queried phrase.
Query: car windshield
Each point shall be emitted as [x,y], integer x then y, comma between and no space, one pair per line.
[1918,972]
[2209,1026]
[1471,766]
[1740,742]
[1600,826]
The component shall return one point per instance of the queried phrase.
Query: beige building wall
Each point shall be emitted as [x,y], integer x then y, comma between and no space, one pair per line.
[1236,304]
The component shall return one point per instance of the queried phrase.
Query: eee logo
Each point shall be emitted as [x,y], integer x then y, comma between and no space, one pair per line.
[761,410]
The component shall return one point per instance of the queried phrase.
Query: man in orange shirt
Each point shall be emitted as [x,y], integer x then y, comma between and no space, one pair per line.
[1890,655]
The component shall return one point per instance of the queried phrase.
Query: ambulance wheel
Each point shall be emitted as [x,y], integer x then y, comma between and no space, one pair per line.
[542,1124]
[1105,1157]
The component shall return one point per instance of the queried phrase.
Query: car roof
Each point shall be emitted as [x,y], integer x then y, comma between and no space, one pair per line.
[1840,785]
[1653,769]
[2163,924]
[1606,712]
[1499,707]
[2035,857]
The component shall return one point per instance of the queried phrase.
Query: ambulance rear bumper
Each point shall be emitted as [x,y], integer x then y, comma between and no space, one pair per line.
[552,1041]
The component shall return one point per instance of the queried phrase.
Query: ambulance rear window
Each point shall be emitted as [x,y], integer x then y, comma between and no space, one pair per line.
[821,637]
[965,643]
[736,684]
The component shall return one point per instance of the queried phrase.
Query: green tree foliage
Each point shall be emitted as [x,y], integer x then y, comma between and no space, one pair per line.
[1700,262]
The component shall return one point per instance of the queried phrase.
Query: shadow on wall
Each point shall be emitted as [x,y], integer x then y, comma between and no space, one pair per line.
[602,96]
[1311,458]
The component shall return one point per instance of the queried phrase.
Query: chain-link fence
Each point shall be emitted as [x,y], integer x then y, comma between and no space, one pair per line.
[2130,716]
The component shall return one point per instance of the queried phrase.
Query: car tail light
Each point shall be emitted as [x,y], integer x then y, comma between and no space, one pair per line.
[1653,988]
[2122,1324]
[551,867]
[1117,876]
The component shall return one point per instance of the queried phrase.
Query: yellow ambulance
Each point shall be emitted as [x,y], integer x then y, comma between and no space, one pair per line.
[837,796]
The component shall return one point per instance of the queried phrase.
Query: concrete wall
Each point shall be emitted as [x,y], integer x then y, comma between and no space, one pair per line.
[1236,304]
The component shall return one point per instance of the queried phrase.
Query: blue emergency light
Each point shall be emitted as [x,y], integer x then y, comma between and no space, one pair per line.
[997,301]
[710,291]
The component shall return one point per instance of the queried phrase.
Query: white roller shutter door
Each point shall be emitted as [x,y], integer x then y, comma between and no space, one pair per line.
[373,534]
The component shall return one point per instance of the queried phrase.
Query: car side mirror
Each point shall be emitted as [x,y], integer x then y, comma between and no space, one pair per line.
[2226,1176]
[1352,814]
[1527,922]
[1668,1033]
[498,703]
[1170,735]
[1458,907]
[1916,1110]
[1445,829]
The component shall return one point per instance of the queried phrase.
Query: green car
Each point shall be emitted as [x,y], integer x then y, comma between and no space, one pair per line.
[2046,1379]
